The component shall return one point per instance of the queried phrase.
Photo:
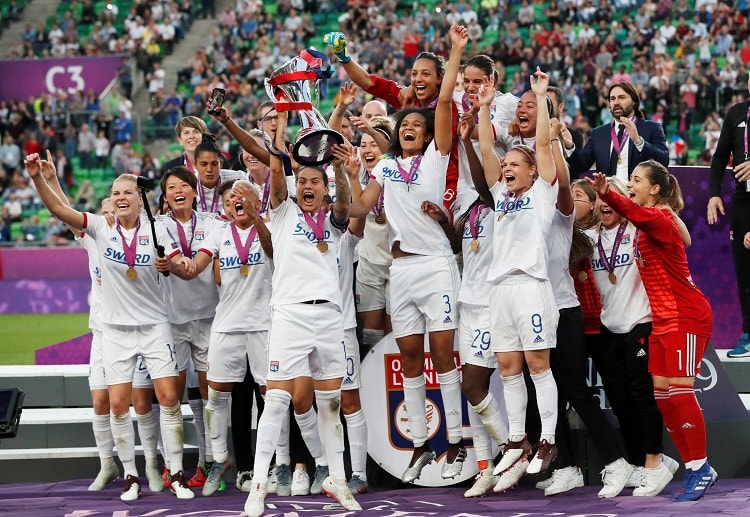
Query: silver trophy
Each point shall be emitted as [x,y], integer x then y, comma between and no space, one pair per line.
[296,86]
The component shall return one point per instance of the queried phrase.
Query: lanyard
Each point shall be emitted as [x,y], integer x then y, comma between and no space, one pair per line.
[408,177]
[187,247]
[609,262]
[214,201]
[243,250]
[129,249]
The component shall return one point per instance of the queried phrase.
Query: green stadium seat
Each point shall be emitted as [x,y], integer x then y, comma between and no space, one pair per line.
[15,231]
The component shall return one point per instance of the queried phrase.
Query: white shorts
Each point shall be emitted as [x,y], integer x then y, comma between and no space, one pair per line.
[351,345]
[524,315]
[474,337]
[373,283]
[306,340]
[141,378]
[424,294]
[191,377]
[122,344]
[230,353]
[96,366]
[191,340]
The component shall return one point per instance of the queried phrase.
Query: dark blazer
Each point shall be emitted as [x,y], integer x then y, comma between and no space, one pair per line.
[598,149]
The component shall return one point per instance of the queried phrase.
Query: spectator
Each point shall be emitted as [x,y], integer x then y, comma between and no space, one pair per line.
[122,127]
[86,144]
[10,155]
[12,207]
[101,149]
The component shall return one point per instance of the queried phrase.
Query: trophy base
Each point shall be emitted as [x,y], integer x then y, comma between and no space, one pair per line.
[313,146]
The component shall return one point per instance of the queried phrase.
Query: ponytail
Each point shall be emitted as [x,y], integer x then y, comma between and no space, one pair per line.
[674,199]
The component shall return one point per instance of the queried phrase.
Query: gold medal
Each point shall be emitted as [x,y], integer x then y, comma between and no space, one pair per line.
[500,217]
[244,270]
[583,276]
[641,262]
[380,219]
[474,245]
[322,246]
[131,273]
[612,278]
[619,159]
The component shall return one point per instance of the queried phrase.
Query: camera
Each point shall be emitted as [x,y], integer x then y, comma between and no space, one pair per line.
[145,183]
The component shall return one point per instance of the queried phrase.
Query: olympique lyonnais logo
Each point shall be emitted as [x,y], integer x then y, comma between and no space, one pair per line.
[143,240]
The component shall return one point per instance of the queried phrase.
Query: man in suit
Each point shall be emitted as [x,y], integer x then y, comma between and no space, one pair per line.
[618,147]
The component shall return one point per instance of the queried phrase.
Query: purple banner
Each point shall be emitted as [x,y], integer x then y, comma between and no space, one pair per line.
[44,263]
[35,76]
[73,351]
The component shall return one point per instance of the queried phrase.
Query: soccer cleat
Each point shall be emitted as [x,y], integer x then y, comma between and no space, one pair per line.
[634,481]
[357,484]
[338,490]
[199,478]
[164,476]
[564,479]
[132,489]
[179,486]
[545,455]
[214,479]
[272,480]
[244,480]
[653,482]
[300,482]
[696,483]
[255,504]
[105,475]
[156,483]
[514,451]
[454,461]
[321,473]
[422,456]
[283,481]
[483,483]
[512,475]
[743,347]
[614,477]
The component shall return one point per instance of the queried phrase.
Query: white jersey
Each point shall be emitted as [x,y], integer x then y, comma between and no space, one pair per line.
[301,271]
[624,304]
[558,247]
[124,301]
[244,301]
[408,224]
[475,289]
[513,140]
[518,243]
[189,300]
[95,296]
[209,199]
[346,278]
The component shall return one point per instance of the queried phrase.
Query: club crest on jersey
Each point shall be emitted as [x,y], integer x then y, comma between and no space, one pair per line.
[274,366]
[625,239]
[199,235]
[143,240]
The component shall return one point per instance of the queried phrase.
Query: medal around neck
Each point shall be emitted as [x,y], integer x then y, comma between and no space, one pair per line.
[322,246]
[131,273]
[244,270]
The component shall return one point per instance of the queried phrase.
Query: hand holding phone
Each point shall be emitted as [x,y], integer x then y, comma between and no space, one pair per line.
[216,101]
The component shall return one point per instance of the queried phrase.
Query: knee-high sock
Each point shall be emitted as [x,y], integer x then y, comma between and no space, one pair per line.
[546,400]
[415,395]
[480,437]
[331,430]
[217,419]
[124,435]
[209,450]
[516,398]
[488,410]
[172,430]
[275,411]
[308,426]
[196,406]
[690,419]
[103,438]
[669,415]
[283,450]
[450,389]
[148,433]
[156,410]
[356,426]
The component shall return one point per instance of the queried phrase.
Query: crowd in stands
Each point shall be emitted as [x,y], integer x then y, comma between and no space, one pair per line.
[688,59]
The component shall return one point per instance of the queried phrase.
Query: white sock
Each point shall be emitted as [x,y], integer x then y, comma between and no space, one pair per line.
[516,398]
[276,410]
[415,395]
[147,432]
[171,426]
[371,336]
[124,435]
[103,438]
[546,399]
[156,410]
[196,406]
[209,450]
[489,411]
[450,389]
[308,426]
[283,450]
[356,426]
[329,420]
[217,418]
[480,437]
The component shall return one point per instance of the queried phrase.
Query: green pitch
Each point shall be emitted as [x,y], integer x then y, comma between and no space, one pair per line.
[22,334]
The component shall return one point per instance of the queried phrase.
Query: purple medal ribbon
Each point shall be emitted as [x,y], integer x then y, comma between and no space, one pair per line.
[187,247]
[747,121]
[188,163]
[129,249]
[636,251]
[467,107]
[515,201]
[243,250]
[474,219]
[202,197]
[618,143]
[317,227]
[408,177]
[377,208]
[609,263]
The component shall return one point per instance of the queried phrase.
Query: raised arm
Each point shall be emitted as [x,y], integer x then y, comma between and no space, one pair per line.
[247,142]
[343,193]
[52,201]
[490,161]
[444,110]
[336,42]
[545,165]
[242,193]
[277,179]
[352,166]
[565,202]
[346,97]
[465,130]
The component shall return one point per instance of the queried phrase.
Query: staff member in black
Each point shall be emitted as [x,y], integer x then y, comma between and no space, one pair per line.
[733,141]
